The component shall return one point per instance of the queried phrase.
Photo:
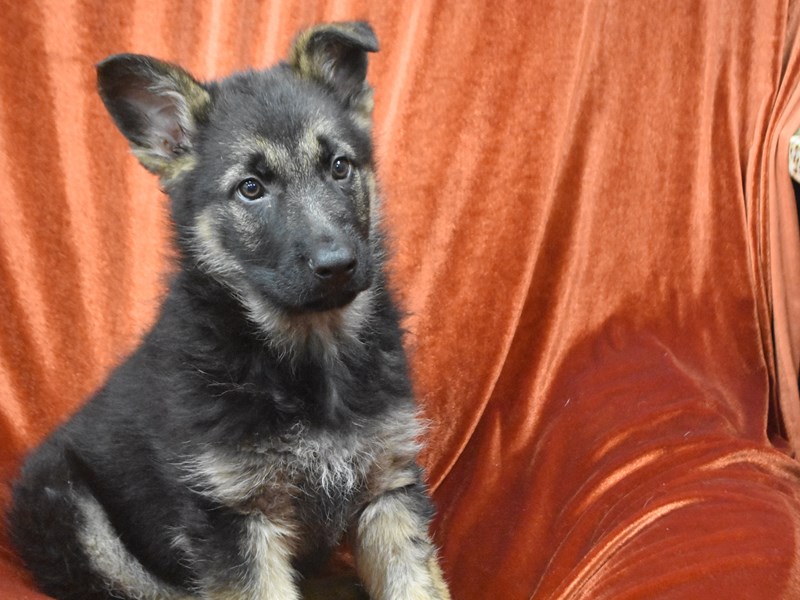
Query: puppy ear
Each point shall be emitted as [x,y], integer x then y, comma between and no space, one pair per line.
[335,55]
[156,105]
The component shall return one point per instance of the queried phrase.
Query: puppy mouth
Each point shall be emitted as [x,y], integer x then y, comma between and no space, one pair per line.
[328,302]
[324,298]
[316,301]
[295,298]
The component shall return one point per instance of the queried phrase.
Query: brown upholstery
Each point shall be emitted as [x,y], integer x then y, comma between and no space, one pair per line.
[594,235]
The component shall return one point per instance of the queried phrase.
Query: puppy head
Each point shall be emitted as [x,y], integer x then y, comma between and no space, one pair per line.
[270,173]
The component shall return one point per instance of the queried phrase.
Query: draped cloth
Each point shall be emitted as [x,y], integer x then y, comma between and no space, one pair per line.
[593,235]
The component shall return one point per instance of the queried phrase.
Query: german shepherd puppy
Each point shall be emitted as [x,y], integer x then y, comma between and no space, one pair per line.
[268,414]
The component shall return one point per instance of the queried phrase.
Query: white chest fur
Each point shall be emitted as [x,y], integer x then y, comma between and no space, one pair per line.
[367,460]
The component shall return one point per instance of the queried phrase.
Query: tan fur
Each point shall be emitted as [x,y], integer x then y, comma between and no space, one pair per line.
[321,128]
[375,215]
[396,559]
[301,57]
[273,577]
[270,546]
[282,160]
[192,102]
[322,332]
[308,147]
[364,195]
[208,248]
[196,98]
[240,477]
[285,332]
[307,61]
[394,555]
[110,558]
[168,169]
[279,158]
[439,583]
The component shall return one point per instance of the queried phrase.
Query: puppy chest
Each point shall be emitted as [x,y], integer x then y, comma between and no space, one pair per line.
[305,483]
[314,483]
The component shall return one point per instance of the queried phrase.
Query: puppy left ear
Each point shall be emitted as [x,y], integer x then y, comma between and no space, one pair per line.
[156,105]
[335,55]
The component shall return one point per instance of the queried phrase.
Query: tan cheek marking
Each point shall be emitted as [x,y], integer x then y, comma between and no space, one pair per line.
[367,195]
[374,199]
[209,250]
[363,107]
[247,225]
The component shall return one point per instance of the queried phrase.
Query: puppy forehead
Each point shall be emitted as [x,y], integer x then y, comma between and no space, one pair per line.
[273,105]
[306,143]
[280,121]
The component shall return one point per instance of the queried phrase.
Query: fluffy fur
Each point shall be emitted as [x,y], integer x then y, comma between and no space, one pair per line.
[268,413]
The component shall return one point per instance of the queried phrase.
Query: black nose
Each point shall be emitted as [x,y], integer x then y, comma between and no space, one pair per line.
[334,264]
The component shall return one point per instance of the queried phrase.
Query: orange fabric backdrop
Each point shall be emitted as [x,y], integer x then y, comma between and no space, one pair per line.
[594,236]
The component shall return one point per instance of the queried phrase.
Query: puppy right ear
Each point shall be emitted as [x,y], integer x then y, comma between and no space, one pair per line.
[156,105]
[335,55]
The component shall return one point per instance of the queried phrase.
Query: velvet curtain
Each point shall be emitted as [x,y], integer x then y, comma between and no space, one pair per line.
[594,237]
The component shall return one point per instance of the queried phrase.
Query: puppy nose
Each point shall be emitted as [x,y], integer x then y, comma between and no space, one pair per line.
[332,263]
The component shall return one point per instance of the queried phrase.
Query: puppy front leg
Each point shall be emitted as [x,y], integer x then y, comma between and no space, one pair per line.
[271,549]
[268,575]
[395,557]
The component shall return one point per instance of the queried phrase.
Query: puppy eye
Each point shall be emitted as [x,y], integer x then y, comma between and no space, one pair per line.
[341,168]
[251,189]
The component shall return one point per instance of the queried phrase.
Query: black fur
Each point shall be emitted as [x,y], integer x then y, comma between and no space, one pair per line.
[212,374]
